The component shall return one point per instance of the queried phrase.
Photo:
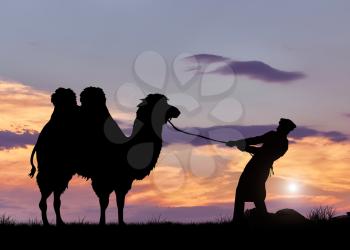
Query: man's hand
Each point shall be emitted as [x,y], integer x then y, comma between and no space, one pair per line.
[231,143]
[239,144]
[241,147]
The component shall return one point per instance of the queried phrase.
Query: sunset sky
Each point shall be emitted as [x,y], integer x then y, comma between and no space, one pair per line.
[232,67]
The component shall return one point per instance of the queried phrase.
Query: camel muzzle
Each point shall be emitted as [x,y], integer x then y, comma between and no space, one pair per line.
[173,112]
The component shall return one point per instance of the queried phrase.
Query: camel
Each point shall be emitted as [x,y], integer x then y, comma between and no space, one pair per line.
[112,162]
[54,172]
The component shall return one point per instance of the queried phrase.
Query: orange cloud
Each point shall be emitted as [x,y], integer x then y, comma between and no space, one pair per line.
[175,183]
[318,162]
[186,175]
[322,176]
[23,107]
[15,167]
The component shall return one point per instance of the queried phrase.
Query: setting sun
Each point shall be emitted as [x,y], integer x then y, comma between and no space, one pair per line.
[293,187]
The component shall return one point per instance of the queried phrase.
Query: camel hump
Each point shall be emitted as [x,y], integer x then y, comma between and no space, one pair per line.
[63,97]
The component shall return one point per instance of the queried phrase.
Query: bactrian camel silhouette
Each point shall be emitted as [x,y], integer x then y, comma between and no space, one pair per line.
[88,142]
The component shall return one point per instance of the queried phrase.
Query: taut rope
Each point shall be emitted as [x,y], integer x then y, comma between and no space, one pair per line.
[188,133]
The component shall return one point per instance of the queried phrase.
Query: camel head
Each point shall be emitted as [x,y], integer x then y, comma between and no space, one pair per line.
[143,149]
[155,110]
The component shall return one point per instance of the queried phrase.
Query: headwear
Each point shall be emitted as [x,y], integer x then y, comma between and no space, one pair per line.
[287,124]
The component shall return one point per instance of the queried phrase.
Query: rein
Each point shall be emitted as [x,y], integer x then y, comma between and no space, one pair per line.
[197,135]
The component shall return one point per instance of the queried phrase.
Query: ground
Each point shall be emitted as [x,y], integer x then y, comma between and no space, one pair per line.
[170,235]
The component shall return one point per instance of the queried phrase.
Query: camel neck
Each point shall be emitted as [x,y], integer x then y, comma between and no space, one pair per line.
[145,132]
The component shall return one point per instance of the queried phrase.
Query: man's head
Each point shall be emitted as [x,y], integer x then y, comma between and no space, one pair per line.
[286,125]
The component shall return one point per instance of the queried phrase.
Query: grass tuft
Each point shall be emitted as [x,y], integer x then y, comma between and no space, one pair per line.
[6,220]
[321,214]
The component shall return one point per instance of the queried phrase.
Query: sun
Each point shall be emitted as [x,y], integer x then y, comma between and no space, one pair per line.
[293,187]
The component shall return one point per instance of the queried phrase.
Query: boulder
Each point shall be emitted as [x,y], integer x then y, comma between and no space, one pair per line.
[282,217]
[289,216]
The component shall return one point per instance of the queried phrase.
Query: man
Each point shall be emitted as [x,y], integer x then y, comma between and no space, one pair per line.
[251,185]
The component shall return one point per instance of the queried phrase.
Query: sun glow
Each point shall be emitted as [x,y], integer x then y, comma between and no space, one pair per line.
[293,187]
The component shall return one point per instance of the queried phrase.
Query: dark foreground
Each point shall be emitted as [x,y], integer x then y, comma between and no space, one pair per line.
[169,235]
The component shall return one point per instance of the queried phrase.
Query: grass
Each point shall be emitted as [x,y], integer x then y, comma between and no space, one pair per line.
[316,215]
[220,232]
[6,220]
[321,214]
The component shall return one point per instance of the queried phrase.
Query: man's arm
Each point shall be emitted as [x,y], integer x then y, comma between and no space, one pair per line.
[248,141]
[250,149]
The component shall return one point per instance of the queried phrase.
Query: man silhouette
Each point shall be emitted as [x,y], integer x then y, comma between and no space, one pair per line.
[251,185]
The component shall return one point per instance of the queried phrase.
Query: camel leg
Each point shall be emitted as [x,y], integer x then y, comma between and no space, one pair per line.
[120,203]
[57,207]
[43,206]
[104,200]
[238,213]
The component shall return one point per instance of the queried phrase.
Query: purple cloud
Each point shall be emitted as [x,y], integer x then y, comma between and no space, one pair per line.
[226,133]
[260,71]
[80,203]
[253,69]
[10,139]
[347,115]
[210,213]
[206,58]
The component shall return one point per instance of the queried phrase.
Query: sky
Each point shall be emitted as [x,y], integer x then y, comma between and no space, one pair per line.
[232,67]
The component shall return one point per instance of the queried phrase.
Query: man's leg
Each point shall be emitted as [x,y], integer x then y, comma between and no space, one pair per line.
[260,207]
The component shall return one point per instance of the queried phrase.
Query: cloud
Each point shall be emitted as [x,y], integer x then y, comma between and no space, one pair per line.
[226,133]
[9,140]
[322,179]
[302,132]
[180,214]
[260,71]
[254,69]
[174,192]
[206,58]
[320,176]
[18,93]
[347,115]
[23,107]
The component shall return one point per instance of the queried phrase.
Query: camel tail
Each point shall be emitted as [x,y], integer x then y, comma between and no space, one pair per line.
[33,170]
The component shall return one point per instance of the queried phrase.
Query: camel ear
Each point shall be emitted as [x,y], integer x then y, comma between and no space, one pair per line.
[143,103]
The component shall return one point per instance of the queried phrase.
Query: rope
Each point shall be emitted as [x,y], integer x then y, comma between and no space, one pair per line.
[207,138]
[188,133]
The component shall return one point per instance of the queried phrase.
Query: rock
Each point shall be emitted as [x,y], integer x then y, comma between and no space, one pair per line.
[341,219]
[289,216]
[280,218]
